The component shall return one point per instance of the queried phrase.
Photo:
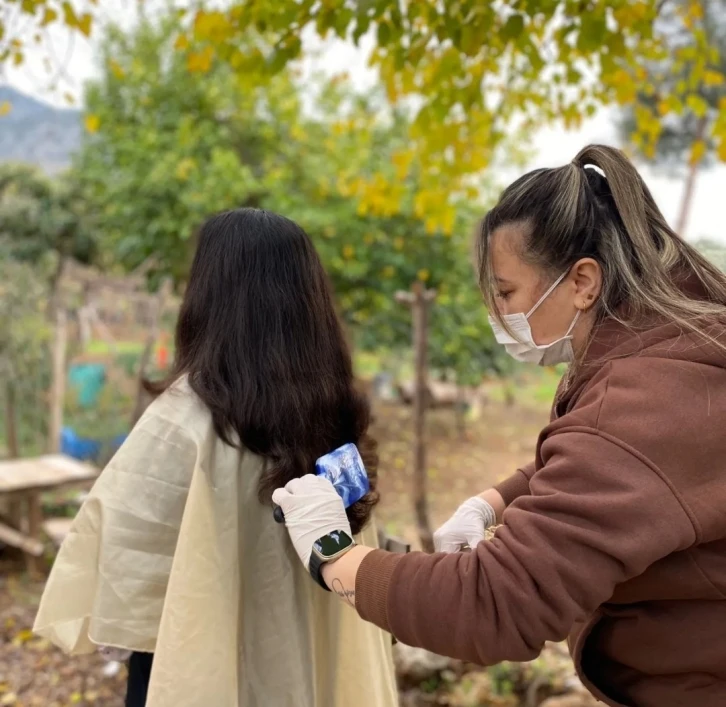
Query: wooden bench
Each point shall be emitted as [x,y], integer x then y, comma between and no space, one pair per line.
[22,481]
[57,529]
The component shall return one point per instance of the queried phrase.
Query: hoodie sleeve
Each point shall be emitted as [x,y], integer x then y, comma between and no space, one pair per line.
[598,514]
[517,484]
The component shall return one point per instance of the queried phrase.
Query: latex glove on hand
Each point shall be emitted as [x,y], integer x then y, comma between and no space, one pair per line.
[466,527]
[312,509]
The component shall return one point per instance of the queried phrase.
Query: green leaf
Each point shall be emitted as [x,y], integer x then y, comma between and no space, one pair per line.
[513,27]
[383,34]
[363,22]
[592,33]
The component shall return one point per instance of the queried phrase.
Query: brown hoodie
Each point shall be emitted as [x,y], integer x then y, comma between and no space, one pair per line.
[615,537]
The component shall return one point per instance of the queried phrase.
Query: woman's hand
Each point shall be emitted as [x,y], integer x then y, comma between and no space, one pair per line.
[468,524]
[312,509]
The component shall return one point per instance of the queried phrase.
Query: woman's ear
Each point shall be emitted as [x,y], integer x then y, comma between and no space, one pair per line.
[587,276]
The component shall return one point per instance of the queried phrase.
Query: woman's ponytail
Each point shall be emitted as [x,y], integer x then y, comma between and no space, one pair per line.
[652,239]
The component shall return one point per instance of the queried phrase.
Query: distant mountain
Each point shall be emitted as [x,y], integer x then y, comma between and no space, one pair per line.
[38,133]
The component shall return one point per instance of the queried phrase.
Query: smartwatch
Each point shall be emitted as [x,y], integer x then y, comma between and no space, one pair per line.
[327,549]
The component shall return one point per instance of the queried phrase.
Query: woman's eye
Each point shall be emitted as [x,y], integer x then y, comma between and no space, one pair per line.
[503,295]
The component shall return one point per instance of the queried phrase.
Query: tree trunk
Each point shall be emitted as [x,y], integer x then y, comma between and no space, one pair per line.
[420,327]
[11,422]
[690,185]
[419,300]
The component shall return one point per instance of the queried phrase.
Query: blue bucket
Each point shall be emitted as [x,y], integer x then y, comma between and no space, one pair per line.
[80,448]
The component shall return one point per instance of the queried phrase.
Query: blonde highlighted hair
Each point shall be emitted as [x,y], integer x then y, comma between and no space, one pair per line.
[608,214]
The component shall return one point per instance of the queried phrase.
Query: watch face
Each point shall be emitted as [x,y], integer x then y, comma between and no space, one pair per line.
[332,543]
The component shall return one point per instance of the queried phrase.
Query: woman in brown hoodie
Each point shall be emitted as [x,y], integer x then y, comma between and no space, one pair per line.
[615,536]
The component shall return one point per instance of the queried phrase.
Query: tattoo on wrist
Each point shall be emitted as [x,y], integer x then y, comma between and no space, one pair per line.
[345,594]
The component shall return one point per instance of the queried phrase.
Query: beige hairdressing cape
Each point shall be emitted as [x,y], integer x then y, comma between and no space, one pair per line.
[173,553]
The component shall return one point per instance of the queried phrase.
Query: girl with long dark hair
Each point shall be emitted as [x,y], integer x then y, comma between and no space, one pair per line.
[175,555]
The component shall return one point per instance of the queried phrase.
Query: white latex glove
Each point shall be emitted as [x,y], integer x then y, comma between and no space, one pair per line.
[466,526]
[312,509]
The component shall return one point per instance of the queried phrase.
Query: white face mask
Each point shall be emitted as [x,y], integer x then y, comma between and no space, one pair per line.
[522,346]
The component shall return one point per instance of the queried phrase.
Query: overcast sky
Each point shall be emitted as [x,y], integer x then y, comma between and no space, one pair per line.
[551,147]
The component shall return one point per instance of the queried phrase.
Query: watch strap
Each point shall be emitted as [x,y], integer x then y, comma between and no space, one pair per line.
[316,570]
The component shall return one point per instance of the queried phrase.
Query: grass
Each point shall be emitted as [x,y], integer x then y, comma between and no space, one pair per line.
[103,348]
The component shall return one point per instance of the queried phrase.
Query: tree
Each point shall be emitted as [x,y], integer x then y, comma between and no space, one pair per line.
[41,225]
[466,71]
[686,137]
[40,215]
[24,352]
[167,148]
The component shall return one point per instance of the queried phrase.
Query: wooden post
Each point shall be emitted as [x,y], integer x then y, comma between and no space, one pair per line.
[35,525]
[420,299]
[152,335]
[58,384]
[11,423]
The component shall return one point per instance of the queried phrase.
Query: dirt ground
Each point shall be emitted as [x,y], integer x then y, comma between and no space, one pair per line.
[502,439]
[34,673]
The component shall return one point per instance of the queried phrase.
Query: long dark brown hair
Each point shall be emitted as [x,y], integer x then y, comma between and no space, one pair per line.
[262,346]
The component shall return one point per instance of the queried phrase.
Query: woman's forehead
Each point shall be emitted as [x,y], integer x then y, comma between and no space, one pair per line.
[506,260]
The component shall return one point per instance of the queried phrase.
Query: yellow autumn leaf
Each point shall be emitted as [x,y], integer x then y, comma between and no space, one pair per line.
[5,108]
[713,78]
[447,221]
[624,85]
[200,61]
[721,150]
[22,637]
[69,15]
[84,24]
[697,104]
[423,275]
[92,123]
[116,69]
[8,699]
[76,697]
[213,26]
[18,58]
[298,133]
[389,271]
[402,162]
[181,43]
[349,252]
[663,107]
[698,151]
[49,16]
